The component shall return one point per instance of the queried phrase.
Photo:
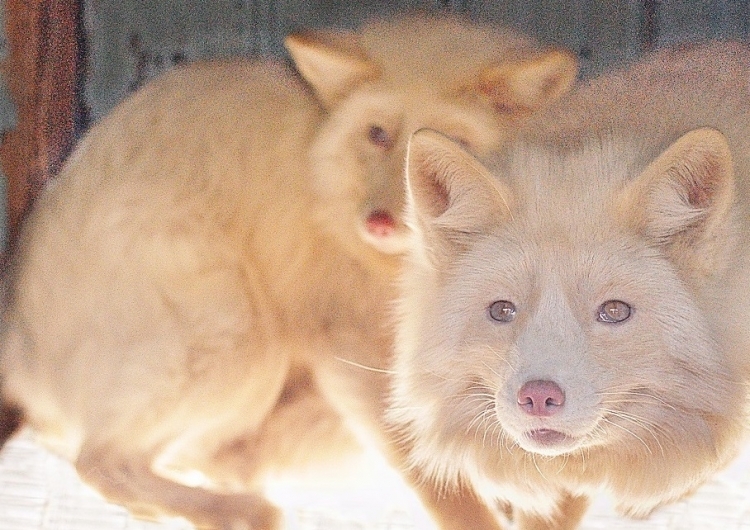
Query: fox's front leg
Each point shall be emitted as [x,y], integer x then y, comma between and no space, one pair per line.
[359,391]
[457,508]
[452,506]
[568,515]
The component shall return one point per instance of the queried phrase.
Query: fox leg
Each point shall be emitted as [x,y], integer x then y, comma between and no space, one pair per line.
[127,479]
[198,370]
[359,390]
[151,459]
[569,513]
[301,432]
[451,507]
[153,464]
[303,429]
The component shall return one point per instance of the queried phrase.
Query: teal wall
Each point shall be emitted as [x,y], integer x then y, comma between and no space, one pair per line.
[130,42]
[7,121]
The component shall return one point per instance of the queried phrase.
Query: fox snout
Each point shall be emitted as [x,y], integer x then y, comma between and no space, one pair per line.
[541,398]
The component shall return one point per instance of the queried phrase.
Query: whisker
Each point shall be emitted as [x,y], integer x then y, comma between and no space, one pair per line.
[400,408]
[484,438]
[629,432]
[650,427]
[485,395]
[512,445]
[365,367]
[476,401]
[478,420]
[498,434]
[564,463]
[651,398]
[492,370]
[536,465]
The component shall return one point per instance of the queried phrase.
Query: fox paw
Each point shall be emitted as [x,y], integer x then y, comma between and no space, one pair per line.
[240,512]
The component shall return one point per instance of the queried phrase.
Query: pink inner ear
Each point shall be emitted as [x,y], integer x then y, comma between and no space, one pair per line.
[702,192]
[381,223]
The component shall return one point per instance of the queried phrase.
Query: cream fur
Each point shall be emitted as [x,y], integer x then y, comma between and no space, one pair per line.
[634,187]
[197,300]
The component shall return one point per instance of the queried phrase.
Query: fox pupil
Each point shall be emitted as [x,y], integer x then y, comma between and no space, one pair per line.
[379,136]
[502,311]
[614,311]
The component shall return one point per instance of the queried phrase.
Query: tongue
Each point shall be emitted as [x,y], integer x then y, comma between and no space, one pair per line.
[380,223]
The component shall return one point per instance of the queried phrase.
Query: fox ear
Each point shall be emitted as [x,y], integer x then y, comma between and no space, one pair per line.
[528,85]
[332,63]
[450,194]
[682,201]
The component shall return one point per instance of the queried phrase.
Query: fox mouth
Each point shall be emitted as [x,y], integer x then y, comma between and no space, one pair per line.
[548,442]
[547,437]
[380,223]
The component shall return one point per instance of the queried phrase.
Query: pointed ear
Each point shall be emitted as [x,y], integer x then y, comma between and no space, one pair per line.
[332,63]
[682,201]
[530,84]
[450,194]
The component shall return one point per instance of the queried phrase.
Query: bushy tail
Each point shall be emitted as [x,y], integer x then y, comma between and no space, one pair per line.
[11,419]
[11,416]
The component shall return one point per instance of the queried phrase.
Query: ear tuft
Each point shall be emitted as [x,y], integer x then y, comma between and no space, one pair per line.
[332,63]
[529,85]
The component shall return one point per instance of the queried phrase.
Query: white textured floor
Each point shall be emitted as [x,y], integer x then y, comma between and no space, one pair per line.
[40,491]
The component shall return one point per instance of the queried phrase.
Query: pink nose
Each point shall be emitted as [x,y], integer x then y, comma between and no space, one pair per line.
[541,398]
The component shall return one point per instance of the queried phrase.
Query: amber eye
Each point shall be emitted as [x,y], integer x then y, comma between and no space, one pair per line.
[613,312]
[380,137]
[502,311]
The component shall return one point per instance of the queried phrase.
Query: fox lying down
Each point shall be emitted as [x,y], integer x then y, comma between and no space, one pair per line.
[574,314]
[192,300]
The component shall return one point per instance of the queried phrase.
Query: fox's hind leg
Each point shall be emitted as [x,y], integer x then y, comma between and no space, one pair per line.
[157,469]
[150,455]
[146,366]
[127,479]
[301,433]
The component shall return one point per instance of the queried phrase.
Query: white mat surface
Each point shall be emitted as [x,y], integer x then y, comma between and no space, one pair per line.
[39,491]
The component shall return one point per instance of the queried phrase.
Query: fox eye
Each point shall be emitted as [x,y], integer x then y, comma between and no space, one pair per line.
[614,311]
[379,137]
[502,311]
[463,142]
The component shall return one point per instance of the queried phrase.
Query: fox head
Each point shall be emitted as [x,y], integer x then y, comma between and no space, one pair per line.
[474,83]
[561,305]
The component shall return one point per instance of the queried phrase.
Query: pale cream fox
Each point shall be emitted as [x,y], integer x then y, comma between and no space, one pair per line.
[575,312]
[201,298]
